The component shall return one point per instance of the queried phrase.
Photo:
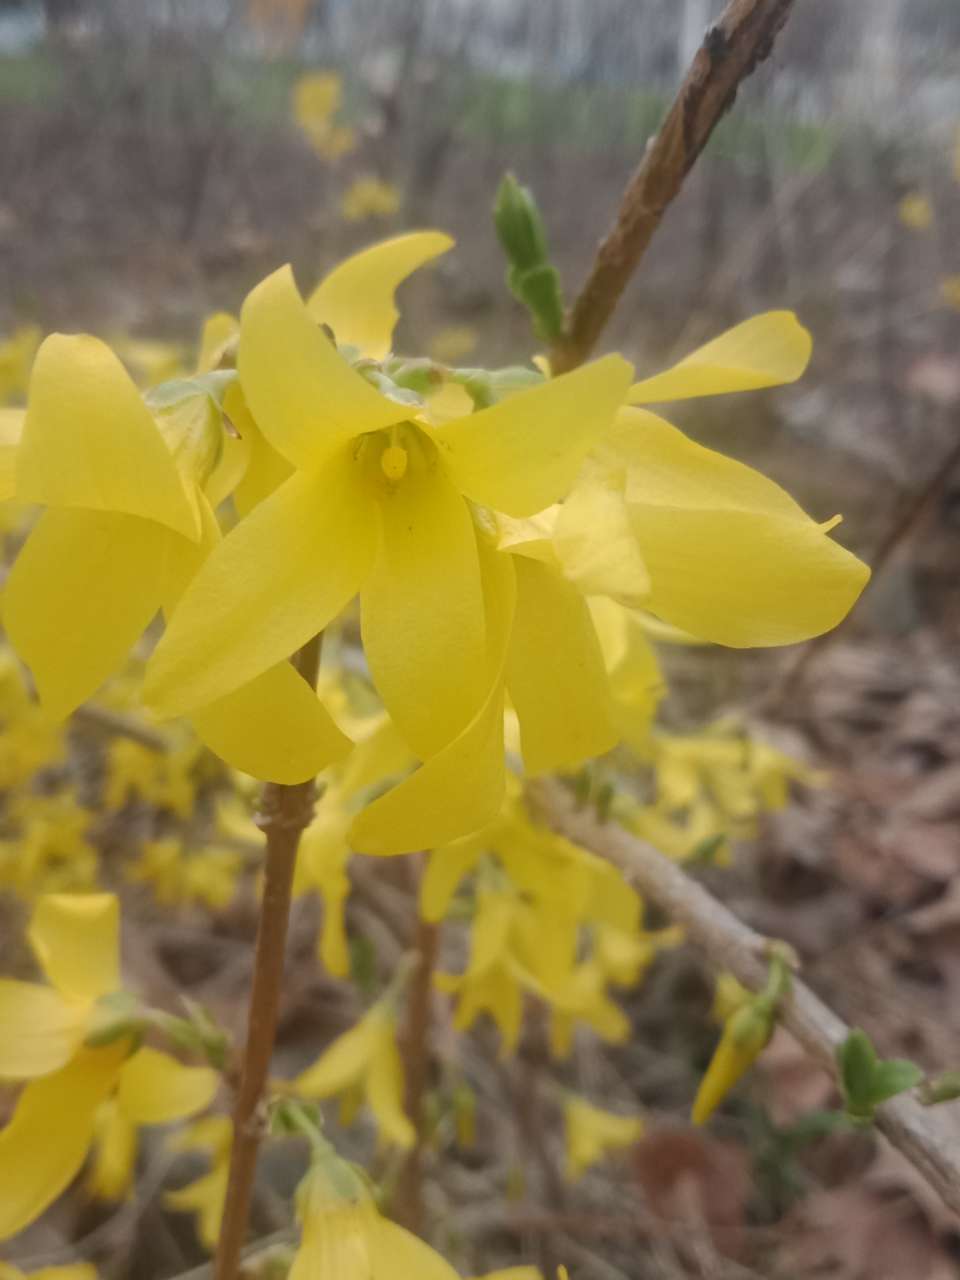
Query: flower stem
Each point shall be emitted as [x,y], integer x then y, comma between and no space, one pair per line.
[285,812]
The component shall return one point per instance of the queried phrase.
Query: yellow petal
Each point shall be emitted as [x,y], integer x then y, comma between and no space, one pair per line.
[385,1091]
[90,441]
[218,329]
[596,546]
[445,869]
[39,1030]
[266,469]
[765,351]
[344,1060]
[356,299]
[422,611]
[114,1160]
[303,395]
[76,939]
[524,453]
[157,1089]
[555,673]
[81,593]
[460,789]
[732,558]
[275,728]
[46,1141]
[277,579]
[11,428]
[395,1253]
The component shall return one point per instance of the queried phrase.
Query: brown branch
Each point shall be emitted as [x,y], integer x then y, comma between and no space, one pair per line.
[285,812]
[731,945]
[732,48]
[407,1207]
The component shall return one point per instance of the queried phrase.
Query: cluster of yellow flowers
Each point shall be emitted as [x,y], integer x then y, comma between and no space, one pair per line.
[516,542]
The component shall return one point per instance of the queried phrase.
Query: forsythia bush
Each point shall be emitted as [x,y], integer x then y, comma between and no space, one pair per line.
[491,557]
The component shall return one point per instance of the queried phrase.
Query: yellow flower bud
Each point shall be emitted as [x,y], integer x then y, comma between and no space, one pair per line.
[745,1035]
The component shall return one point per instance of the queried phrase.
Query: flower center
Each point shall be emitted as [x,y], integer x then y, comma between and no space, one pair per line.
[393,462]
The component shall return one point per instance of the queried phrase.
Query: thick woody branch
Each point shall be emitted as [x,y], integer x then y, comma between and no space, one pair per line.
[731,945]
[741,39]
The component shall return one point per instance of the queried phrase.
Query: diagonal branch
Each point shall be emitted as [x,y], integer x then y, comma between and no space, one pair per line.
[741,39]
[730,944]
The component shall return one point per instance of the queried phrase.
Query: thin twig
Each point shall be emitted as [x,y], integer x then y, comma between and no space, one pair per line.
[732,48]
[731,945]
[286,811]
[407,1207]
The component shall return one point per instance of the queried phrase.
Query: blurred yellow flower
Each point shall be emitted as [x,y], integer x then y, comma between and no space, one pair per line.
[150,361]
[950,291]
[206,876]
[369,197]
[206,1195]
[367,1057]
[50,852]
[316,100]
[915,211]
[592,1132]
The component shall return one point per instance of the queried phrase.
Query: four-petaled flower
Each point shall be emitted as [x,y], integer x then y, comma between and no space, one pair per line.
[86,1082]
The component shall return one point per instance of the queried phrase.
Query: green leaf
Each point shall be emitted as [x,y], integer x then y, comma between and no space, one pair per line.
[893,1076]
[857,1060]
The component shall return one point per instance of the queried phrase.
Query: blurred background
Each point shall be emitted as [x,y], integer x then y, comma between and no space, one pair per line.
[158,158]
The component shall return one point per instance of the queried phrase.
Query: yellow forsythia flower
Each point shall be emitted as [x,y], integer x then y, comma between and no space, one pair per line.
[150,361]
[915,211]
[702,541]
[369,197]
[435,600]
[366,1056]
[344,1236]
[85,1082]
[205,1196]
[208,875]
[746,1034]
[125,480]
[316,100]
[592,1132]
[950,291]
